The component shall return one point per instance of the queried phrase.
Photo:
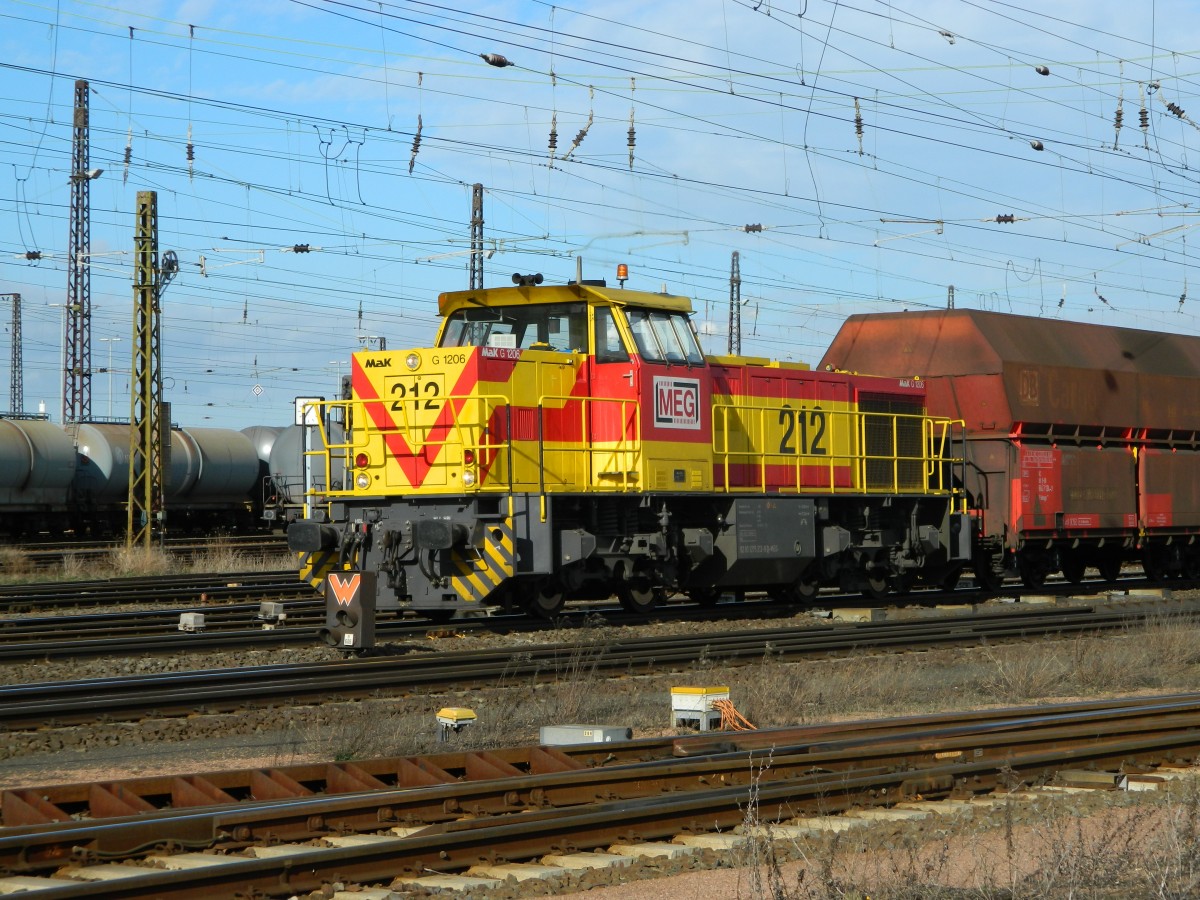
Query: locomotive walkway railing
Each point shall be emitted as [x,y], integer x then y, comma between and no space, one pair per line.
[485,444]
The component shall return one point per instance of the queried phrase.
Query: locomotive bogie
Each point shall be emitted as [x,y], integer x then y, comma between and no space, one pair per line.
[535,552]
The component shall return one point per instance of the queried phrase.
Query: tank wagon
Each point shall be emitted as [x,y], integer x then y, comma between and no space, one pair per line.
[76,482]
[1083,441]
[571,441]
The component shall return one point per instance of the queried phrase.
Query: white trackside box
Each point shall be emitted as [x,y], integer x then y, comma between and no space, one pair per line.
[695,706]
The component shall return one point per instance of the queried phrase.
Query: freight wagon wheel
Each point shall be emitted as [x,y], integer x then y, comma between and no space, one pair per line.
[637,596]
[950,582]
[546,600]
[876,584]
[1033,573]
[806,589]
[1110,567]
[1073,567]
[1154,564]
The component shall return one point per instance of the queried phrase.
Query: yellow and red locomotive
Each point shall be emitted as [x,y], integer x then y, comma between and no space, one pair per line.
[572,441]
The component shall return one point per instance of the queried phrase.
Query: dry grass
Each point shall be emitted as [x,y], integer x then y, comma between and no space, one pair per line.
[1115,846]
[122,562]
[14,562]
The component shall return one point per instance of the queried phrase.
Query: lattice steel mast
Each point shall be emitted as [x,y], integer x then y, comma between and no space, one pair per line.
[77,369]
[146,464]
[734,345]
[475,262]
[16,396]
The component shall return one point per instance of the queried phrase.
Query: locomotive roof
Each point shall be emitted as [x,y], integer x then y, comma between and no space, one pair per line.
[559,293]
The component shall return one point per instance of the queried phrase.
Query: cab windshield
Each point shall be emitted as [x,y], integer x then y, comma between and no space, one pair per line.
[547,326]
[664,336]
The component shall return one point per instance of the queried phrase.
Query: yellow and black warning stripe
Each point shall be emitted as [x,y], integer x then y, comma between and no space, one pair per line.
[316,565]
[480,570]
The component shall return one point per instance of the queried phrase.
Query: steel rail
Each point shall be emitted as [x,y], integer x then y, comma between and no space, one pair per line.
[49,703]
[527,816]
[44,804]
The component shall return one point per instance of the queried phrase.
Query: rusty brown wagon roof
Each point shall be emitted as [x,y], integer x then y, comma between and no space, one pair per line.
[1031,371]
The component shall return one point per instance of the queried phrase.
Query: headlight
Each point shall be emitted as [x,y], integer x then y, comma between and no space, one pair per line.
[362,480]
[468,479]
[413,361]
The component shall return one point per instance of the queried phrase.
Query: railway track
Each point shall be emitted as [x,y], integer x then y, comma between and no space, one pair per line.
[153,589]
[526,806]
[44,555]
[223,690]
[233,617]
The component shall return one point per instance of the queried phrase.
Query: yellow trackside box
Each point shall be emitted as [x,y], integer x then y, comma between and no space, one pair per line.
[697,699]
[455,716]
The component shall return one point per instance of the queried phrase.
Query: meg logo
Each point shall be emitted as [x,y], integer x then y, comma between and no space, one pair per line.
[676,402]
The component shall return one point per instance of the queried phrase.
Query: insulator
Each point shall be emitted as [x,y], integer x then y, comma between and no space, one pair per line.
[33,255]
[1005,218]
[1042,70]
[301,248]
[129,154]
[495,59]
[553,133]
[632,139]
[1175,110]
[1036,145]
[752,229]
[191,152]
[1119,118]
[1144,118]
[412,159]
[858,125]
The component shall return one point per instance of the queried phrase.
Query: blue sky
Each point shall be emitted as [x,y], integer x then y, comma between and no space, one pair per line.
[303,117]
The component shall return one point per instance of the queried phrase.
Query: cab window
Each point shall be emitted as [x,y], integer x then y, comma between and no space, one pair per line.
[548,326]
[664,337]
[608,340]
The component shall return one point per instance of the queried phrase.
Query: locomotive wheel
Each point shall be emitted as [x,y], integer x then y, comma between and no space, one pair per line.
[985,576]
[637,596]
[875,586]
[1073,567]
[545,601]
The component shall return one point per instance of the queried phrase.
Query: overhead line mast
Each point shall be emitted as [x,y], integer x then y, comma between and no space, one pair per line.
[475,260]
[77,340]
[16,402]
